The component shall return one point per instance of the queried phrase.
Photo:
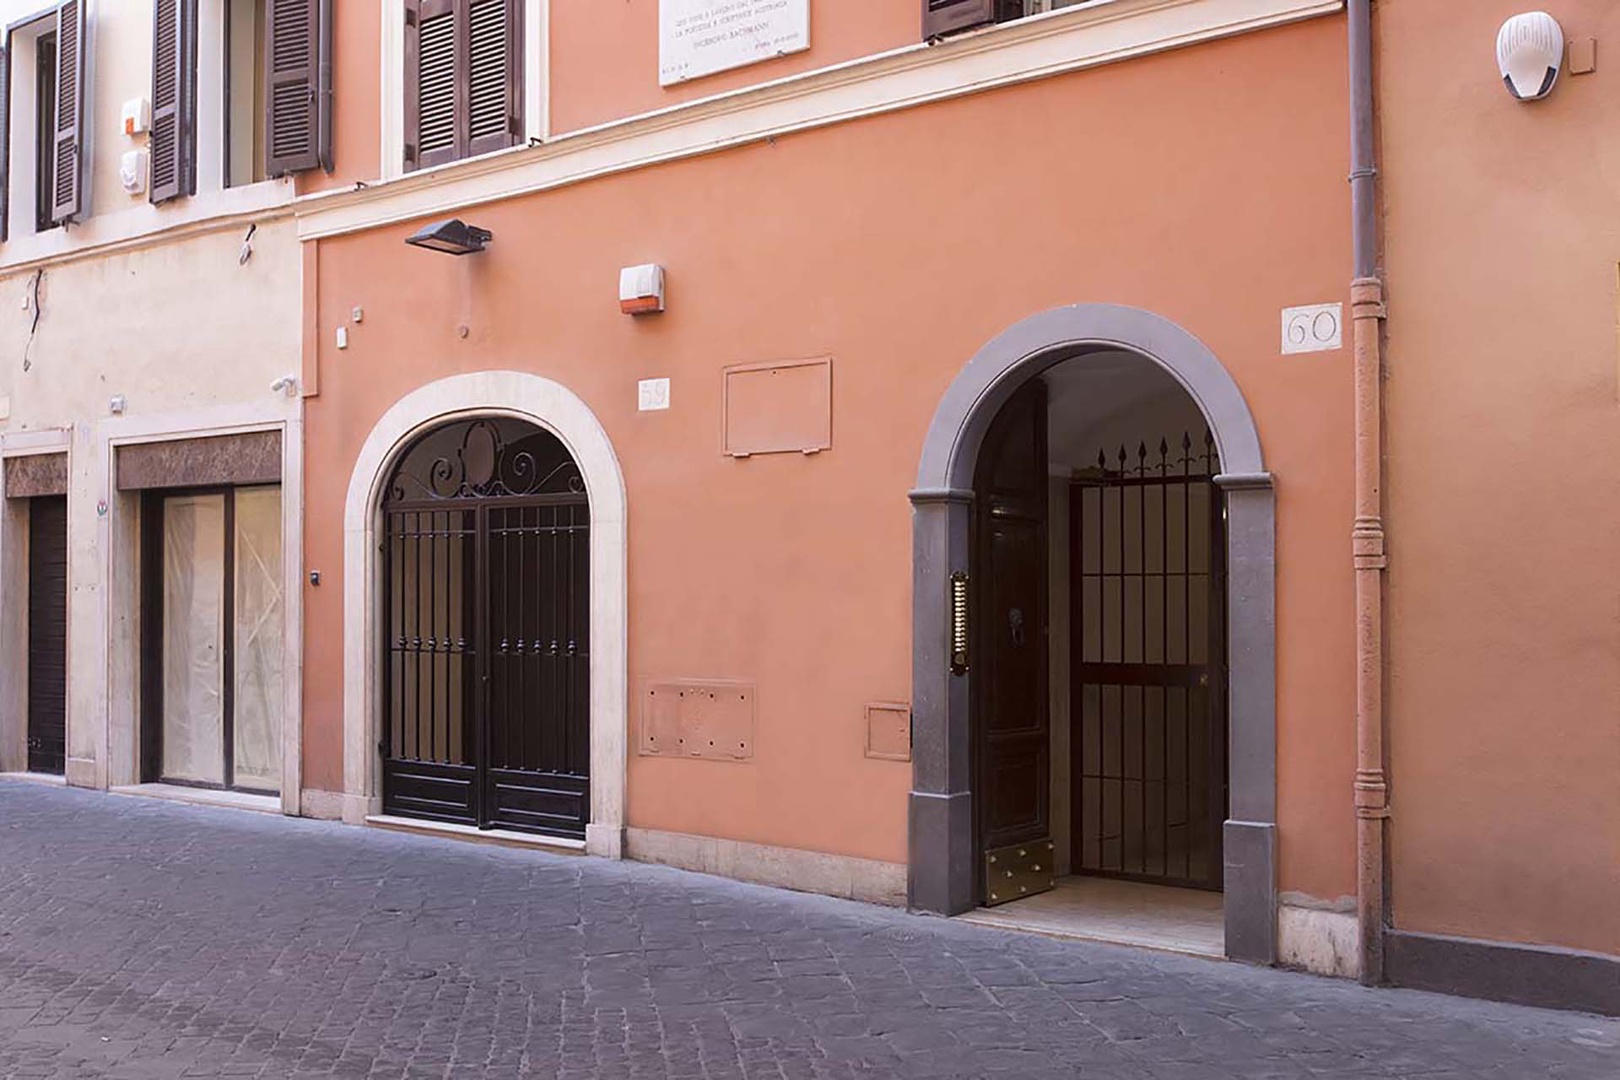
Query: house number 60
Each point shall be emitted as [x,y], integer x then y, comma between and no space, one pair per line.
[1314,328]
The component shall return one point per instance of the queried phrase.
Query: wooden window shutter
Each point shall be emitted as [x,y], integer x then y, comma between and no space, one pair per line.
[5,140]
[435,99]
[174,114]
[947,16]
[463,79]
[292,98]
[495,75]
[67,144]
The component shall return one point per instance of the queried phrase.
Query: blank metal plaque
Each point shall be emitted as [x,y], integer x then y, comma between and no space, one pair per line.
[712,719]
[782,407]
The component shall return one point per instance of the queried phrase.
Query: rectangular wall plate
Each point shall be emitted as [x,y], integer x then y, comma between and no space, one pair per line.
[888,730]
[712,719]
[777,408]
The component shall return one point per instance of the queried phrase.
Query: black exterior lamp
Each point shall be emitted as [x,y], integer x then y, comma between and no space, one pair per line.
[453,237]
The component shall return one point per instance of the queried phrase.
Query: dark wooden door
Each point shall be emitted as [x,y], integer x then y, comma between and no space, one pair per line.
[1012,734]
[47,634]
[487,628]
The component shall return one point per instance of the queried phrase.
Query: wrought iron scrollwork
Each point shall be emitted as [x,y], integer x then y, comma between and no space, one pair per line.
[484,458]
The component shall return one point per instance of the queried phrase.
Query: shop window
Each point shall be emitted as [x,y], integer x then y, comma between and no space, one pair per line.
[463,79]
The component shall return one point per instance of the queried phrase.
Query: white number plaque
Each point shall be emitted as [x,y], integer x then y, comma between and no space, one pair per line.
[1313,328]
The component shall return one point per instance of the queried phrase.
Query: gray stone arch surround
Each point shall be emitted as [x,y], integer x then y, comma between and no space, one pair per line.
[941,859]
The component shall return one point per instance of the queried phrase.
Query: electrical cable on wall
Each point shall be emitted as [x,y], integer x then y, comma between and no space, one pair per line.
[33,326]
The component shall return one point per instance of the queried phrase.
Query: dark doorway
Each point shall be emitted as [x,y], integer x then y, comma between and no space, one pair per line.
[487,625]
[1011,721]
[47,634]
[1148,664]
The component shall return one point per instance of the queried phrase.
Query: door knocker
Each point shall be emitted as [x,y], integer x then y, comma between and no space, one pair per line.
[1015,622]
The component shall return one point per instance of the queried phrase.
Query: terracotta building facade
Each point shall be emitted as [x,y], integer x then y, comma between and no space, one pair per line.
[679,585]
[1046,463]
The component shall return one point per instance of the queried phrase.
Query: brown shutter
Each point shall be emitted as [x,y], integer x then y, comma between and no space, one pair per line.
[495,75]
[292,71]
[174,135]
[5,139]
[67,147]
[947,16]
[435,97]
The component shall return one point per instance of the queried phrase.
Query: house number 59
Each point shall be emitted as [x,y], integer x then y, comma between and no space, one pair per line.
[1313,328]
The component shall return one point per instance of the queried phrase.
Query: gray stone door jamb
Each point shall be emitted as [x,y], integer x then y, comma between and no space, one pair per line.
[941,860]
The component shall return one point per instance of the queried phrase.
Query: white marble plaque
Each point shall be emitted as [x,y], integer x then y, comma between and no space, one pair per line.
[701,37]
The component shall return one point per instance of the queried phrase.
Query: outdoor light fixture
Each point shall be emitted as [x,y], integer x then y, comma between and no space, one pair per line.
[453,237]
[1530,52]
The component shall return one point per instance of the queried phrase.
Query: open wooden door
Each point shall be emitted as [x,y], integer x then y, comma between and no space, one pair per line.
[1011,723]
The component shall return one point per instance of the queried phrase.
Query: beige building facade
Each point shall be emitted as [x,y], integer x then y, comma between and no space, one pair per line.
[149,413]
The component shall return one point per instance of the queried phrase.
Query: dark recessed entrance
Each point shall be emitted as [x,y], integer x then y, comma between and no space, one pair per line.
[486,686]
[1098,614]
[47,633]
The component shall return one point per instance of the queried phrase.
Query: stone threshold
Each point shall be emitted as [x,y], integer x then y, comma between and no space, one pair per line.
[1084,933]
[557,845]
[235,800]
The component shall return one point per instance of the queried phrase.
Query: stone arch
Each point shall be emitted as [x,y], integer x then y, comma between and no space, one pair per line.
[941,857]
[557,409]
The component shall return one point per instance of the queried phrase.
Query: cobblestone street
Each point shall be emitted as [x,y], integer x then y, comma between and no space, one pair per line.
[145,939]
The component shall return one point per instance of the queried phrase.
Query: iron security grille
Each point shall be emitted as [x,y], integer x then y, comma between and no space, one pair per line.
[1148,639]
[487,550]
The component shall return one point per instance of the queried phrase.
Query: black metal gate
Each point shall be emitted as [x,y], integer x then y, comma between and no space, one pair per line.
[487,628]
[1148,575]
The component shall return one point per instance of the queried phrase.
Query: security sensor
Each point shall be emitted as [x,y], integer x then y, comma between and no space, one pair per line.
[1529,53]
[287,384]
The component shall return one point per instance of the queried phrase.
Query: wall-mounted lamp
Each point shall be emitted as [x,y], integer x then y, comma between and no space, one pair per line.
[453,237]
[1529,53]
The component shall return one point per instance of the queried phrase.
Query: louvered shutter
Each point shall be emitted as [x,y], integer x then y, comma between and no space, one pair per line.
[435,99]
[494,75]
[946,16]
[174,125]
[292,71]
[463,79]
[5,140]
[67,144]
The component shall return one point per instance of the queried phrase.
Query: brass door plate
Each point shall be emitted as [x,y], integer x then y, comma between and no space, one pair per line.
[1018,870]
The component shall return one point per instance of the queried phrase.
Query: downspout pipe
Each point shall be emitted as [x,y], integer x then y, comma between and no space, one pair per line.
[323,88]
[1367,535]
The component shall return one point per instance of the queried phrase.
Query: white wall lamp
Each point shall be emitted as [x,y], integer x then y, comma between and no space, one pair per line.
[1529,53]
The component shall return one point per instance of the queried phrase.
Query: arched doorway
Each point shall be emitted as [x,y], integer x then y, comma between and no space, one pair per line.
[485,672]
[957,806]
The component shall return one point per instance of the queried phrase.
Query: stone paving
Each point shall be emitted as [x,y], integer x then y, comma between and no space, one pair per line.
[144,939]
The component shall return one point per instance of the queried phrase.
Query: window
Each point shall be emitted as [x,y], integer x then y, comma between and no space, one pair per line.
[235,94]
[949,16]
[463,79]
[44,125]
[41,115]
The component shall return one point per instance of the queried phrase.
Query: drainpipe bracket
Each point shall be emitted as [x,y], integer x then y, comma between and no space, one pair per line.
[1372,794]
[1367,299]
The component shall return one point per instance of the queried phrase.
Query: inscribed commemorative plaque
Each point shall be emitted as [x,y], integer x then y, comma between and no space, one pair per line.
[701,37]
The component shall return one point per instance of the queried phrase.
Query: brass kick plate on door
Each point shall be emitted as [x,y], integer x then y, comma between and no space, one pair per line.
[1018,870]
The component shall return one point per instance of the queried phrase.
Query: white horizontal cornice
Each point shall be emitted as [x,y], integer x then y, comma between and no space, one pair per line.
[1087,35]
